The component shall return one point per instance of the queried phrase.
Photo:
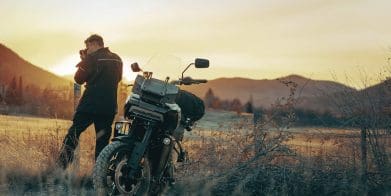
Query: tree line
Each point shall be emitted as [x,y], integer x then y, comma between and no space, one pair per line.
[303,117]
[28,99]
[214,102]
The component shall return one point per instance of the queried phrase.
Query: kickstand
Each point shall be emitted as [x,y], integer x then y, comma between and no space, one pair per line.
[182,154]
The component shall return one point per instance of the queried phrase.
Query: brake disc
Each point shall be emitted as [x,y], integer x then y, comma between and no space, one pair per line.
[124,183]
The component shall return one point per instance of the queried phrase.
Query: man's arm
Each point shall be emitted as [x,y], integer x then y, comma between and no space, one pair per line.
[84,70]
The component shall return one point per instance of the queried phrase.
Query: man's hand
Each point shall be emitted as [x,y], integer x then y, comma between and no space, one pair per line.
[83,54]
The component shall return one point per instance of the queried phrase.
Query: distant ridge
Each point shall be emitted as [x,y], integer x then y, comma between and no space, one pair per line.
[293,76]
[312,94]
[265,92]
[12,65]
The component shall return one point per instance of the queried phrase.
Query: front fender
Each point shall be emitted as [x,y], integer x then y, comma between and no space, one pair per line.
[123,138]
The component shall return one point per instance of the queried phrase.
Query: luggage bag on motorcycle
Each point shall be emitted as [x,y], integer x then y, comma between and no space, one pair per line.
[191,106]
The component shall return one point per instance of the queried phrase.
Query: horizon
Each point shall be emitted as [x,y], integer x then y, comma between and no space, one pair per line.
[129,77]
[257,40]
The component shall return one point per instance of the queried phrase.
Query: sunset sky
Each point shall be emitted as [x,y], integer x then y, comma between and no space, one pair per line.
[247,38]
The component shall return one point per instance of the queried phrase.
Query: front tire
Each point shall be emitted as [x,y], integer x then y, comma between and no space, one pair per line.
[111,169]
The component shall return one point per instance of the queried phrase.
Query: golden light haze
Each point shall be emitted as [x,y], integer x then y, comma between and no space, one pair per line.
[253,39]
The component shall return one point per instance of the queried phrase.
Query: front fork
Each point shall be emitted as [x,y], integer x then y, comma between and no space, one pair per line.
[165,155]
[139,149]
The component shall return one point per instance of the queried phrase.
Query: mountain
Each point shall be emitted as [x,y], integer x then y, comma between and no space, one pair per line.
[378,96]
[12,65]
[312,94]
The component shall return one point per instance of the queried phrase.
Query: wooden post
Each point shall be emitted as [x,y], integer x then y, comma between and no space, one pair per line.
[364,160]
[76,99]
[76,95]
[256,118]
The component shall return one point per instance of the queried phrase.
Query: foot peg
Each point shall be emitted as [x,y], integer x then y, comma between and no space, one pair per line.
[189,128]
[171,181]
[182,156]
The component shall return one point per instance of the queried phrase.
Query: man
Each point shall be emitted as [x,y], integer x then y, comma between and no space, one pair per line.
[101,70]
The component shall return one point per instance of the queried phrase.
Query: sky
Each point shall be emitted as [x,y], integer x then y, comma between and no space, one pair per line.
[319,39]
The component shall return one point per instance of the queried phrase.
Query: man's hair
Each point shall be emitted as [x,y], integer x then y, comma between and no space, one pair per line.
[95,38]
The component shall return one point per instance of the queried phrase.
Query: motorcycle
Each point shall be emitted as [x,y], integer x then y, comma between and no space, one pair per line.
[139,160]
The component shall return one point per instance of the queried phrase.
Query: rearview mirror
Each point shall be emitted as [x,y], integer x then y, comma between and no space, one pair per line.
[135,67]
[201,63]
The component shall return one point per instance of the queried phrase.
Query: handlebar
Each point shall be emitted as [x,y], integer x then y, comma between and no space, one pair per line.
[189,81]
[200,81]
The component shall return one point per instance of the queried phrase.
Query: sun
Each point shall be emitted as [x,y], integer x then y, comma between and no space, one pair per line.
[67,66]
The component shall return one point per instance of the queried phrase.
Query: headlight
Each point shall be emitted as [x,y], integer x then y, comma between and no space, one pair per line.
[118,125]
[121,128]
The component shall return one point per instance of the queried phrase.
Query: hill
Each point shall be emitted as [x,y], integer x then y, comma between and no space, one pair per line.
[311,93]
[12,65]
[379,96]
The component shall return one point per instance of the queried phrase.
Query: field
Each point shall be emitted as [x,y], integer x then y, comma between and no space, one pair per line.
[222,161]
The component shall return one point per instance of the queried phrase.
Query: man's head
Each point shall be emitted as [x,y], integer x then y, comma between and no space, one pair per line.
[93,43]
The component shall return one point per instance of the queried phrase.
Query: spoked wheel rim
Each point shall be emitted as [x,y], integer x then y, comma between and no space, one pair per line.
[124,183]
[118,180]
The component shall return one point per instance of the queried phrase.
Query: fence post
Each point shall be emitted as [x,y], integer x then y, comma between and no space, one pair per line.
[76,95]
[76,98]
[257,140]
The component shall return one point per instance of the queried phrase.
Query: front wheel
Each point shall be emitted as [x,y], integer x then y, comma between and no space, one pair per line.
[111,172]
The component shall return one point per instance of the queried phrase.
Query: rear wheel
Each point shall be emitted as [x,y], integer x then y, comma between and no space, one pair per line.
[111,172]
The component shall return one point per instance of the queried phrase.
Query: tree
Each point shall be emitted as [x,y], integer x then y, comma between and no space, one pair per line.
[236,106]
[20,91]
[209,97]
[211,101]
[3,92]
[10,97]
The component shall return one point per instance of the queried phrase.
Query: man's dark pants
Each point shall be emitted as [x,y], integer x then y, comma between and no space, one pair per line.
[81,121]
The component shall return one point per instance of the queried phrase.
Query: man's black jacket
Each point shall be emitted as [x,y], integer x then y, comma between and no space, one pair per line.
[102,71]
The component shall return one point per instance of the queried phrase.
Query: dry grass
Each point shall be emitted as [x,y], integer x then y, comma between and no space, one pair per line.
[221,162]
[28,146]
